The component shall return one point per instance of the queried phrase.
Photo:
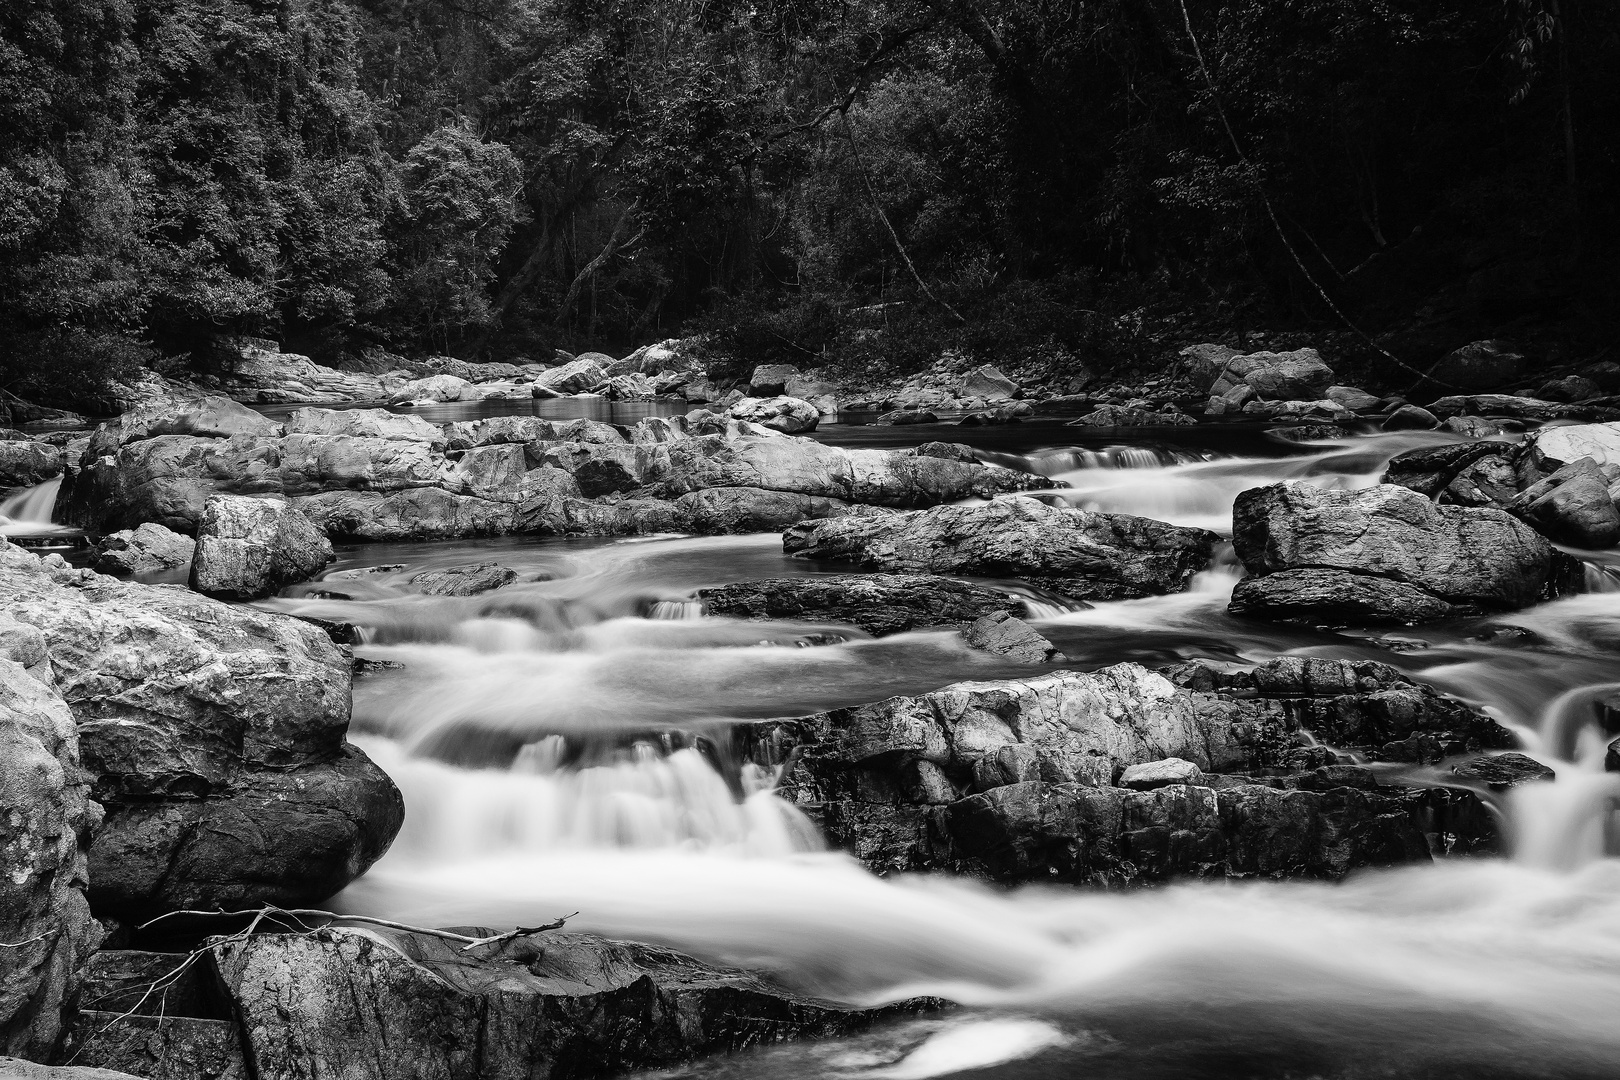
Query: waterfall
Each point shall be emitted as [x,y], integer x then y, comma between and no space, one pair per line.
[32,506]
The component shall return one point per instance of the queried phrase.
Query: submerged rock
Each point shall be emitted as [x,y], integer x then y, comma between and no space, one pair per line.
[1382,555]
[469,580]
[214,736]
[342,1003]
[1007,636]
[249,548]
[877,603]
[1074,552]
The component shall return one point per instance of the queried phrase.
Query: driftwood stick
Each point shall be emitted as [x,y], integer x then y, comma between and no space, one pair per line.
[299,914]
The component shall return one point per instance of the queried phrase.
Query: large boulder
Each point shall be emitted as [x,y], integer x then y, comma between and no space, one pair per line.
[791,416]
[367,424]
[750,509]
[988,383]
[437,388]
[182,413]
[46,818]
[574,377]
[1078,553]
[876,603]
[214,736]
[249,548]
[341,1003]
[1554,447]
[1382,555]
[1300,375]
[770,380]
[24,463]
[255,369]
[145,550]
[1574,505]
[1480,365]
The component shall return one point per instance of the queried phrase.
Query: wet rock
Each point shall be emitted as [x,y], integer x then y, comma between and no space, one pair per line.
[148,549]
[159,1047]
[988,383]
[1410,418]
[436,388]
[1473,427]
[1573,506]
[1157,774]
[791,416]
[1516,407]
[1352,397]
[1005,635]
[1500,772]
[1555,447]
[1008,414]
[1462,473]
[877,603]
[1074,552]
[1381,555]
[24,463]
[46,820]
[250,548]
[908,416]
[29,1070]
[574,377]
[1480,365]
[469,580]
[213,735]
[344,1004]
[1119,416]
[770,380]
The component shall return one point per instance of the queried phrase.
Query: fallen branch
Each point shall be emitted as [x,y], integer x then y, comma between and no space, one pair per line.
[20,944]
[298,915]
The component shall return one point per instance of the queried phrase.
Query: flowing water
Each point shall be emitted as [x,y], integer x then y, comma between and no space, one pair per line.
[28,512]
[562,746]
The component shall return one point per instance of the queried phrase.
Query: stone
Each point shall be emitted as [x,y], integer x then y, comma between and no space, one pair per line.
[343,1003]
[792,416]
[1410,418]
[1078,553]
[144,550]
[159,1047]
[250,548]
[1205,361]
[19,1069]
[1008,414]
[1516,407]
[254,369]
[1480,365]
[46,821]
[1156,774]
[469,580]
[1382,554]
[1502,772]
[1005,635]
[497,431]
[1300,375]
[750,509]
[436,388]
[1353,398]
[908,416]
[26,463]
[369,424]
[876,603]
[988,383]
[1554,447]
[770,380]
[197,414]
[1572,506]
[1473,427]
[213,734]
[1569,388]
[575,377]
[1119,416]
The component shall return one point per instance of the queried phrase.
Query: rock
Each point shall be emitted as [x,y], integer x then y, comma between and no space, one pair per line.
[374,424]
[750,509]
[1569,388]
[1501,772]
[1555,447]
[1514,407]
[341,1003]
[26,463]
[45,831]
[1573,506]
[144,550]
[1206,361]
[1005,635]
[436,388]
[877,603]
[770,380]
[1157,774]
[1473,427]
[633,387]
[1410,418]
[1381,555]
[785,414]
[469,580]
[574,377]
[28,1070]
[908,416]
[1008,414]
[1289,376]
[1118,416]
[250,548]
[254,369]
[159,1047]
[1074,552]
[213,735]
[988,383]
[1352,398]
[496,431]
[1480,365]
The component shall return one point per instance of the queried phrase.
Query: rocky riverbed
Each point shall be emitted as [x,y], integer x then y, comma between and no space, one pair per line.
[477,674]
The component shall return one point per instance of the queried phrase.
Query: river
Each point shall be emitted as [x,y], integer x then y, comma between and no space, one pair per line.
[543,738]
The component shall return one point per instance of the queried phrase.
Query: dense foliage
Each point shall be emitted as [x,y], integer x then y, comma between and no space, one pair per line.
[809,178]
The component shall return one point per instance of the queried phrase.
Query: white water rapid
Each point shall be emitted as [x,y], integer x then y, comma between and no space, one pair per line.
[28,512]
[562,745]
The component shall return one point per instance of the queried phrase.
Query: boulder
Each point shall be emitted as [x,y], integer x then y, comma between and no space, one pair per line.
[988,383]
[214,736]
[436,388]
[45,831]
[497,431]
[204,415]
[254,369]
[369,424]
[1007,414]
[1410,418]
[29,1070]
[1157,774]
[1353,398]
[468,580]
[1206,361]
[24,463]
[1573,506]
[876,603]
[1382,555]
[1480,365]
[1569,388]
[380,1005]
[249,548]
[908,416]
[1555,447]
[785,414]
[148,549]
[1300,375]
[1078,553]
[1003,634]
[750,509]
[770,380]
[1516,407]
[574,377]
[1120,416]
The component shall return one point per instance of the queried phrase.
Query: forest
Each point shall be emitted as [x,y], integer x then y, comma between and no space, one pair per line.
[801,180]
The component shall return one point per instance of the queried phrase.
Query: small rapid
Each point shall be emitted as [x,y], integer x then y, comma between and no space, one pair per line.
[565,744]
[28,512]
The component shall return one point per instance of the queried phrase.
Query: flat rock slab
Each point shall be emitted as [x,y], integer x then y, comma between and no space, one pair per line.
[877,603]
